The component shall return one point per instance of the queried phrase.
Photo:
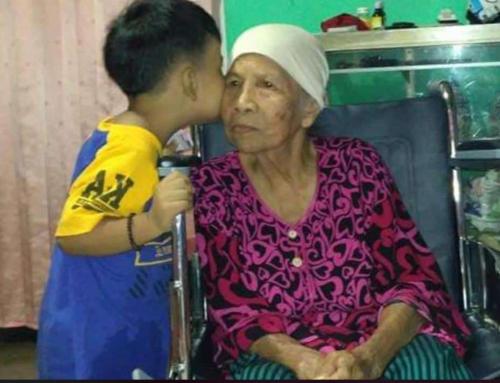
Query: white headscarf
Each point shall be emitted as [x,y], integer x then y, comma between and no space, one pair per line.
[294,49]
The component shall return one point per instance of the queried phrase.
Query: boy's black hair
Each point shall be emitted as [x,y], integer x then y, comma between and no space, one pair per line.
[149,36]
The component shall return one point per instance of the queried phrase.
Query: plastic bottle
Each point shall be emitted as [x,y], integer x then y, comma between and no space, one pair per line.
[363,14]
[378,17]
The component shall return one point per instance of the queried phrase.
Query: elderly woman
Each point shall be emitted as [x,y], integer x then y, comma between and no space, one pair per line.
[313,268]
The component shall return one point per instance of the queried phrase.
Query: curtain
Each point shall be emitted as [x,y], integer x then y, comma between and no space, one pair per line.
[53,92]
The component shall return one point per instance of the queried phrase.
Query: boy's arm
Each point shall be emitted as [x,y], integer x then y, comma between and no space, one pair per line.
[110,236]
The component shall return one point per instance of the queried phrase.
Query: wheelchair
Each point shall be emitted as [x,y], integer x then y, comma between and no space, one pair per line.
[418,140]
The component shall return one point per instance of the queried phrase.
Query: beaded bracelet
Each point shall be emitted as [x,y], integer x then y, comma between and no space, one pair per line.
[130,233]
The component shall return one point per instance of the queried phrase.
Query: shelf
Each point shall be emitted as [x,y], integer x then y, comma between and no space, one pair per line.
[476,163]
[406,38]
[403,68]
[480,144]
[491,154]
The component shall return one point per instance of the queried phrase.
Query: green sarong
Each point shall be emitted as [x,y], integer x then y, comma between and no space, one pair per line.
[424,358]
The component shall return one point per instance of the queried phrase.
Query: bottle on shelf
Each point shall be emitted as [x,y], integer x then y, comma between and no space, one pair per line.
[447,17]
[363,14]
[378,17]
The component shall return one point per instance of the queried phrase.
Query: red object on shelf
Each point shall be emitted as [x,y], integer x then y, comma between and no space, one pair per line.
[344,20]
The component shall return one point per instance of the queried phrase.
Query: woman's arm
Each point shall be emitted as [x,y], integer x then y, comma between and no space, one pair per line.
[399,324]
[404,268]
[406,281]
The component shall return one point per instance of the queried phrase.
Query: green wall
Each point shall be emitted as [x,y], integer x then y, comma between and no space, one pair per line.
[344,89]
[242,14]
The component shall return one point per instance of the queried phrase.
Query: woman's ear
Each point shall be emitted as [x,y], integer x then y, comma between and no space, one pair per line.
[311,110]
[190,86]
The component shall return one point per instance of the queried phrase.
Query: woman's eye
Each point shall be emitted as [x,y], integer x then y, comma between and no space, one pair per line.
[268,84]
[232,83]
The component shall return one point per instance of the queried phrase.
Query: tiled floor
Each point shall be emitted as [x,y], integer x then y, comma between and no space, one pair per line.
[17,361]
[17,354]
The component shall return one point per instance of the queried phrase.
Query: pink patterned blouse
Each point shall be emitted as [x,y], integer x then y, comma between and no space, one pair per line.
[324,280]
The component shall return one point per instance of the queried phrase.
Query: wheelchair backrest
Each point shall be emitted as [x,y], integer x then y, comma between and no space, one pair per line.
[412,137]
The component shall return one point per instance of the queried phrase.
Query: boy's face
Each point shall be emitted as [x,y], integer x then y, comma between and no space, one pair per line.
[211,80]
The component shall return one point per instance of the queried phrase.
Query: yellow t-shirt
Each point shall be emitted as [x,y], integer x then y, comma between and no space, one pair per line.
[115,175]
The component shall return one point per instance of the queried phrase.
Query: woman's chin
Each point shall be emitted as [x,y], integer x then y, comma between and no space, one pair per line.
[252,145]
[249,147]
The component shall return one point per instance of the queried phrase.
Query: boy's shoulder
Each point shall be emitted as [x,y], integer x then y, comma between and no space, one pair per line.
[129,134]
[113,146]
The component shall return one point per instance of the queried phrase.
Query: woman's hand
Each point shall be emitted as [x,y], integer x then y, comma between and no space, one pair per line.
[310,365]
[305,362]
[349,365]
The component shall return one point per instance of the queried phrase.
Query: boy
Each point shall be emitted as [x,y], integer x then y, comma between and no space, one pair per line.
[105,311]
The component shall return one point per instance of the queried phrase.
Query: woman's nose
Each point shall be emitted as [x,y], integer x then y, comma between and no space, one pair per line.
[246,100]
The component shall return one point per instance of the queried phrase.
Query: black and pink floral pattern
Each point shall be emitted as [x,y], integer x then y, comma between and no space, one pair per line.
[359,251]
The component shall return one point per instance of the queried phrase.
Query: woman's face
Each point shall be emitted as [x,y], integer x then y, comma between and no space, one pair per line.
[262,105]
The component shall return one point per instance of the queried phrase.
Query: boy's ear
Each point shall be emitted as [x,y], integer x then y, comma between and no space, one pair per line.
[190,82]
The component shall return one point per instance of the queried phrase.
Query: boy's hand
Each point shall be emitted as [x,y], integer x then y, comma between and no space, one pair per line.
[173,195]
